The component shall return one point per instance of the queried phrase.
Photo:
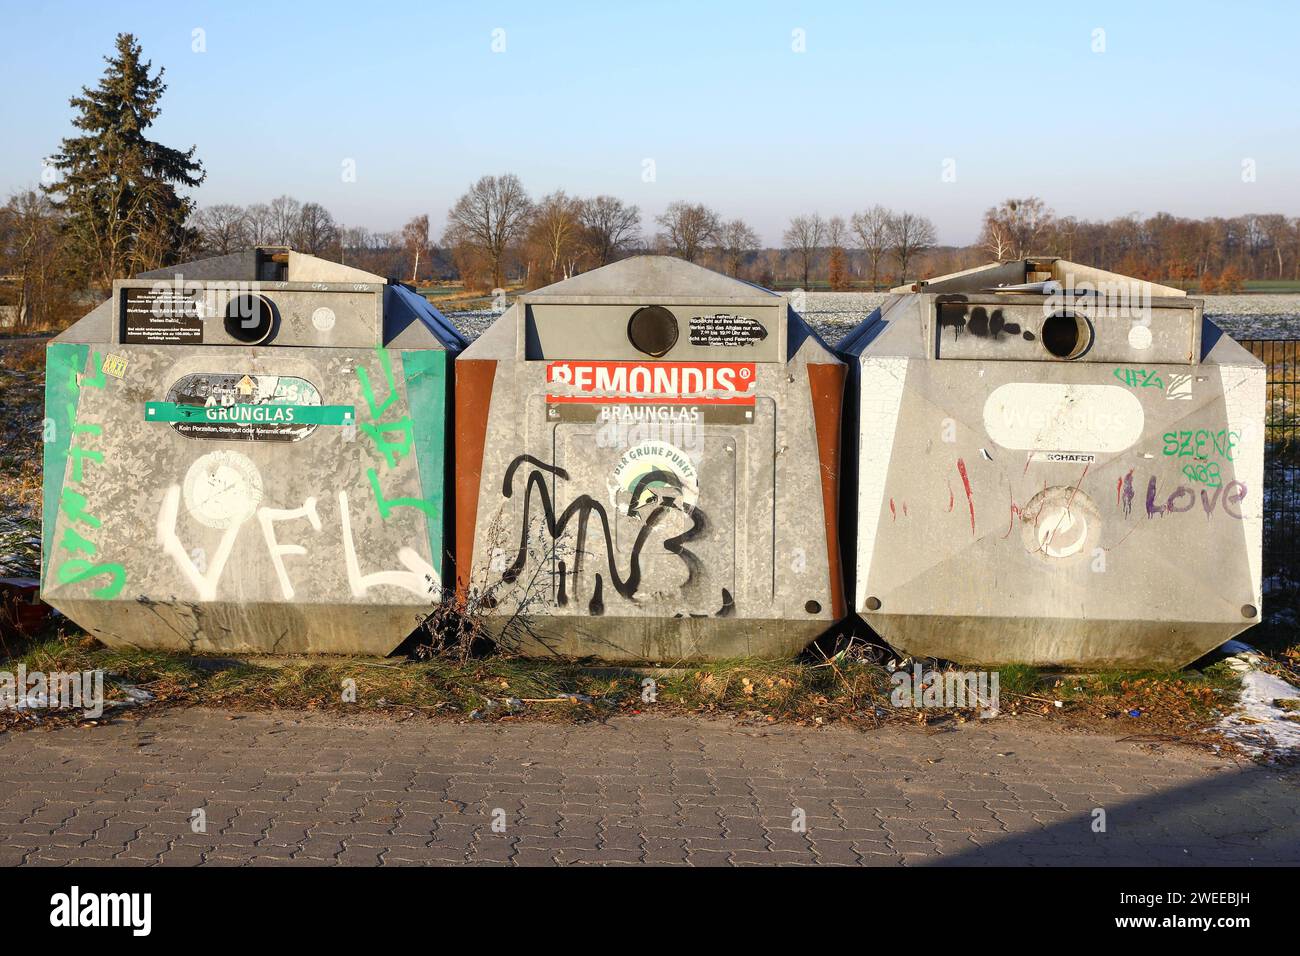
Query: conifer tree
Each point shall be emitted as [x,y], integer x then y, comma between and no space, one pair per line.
[117,188]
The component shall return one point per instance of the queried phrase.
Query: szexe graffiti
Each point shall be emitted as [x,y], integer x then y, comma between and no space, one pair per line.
[650,508]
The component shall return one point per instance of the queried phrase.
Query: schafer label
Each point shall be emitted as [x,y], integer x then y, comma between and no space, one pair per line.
[662,383]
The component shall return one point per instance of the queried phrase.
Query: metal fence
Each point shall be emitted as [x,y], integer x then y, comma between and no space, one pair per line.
[1282,457]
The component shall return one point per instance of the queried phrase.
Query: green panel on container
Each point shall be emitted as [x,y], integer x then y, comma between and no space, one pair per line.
[63,363]
[425,374]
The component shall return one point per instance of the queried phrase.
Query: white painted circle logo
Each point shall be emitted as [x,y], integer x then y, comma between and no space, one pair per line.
[1060,522]
[222,489]
[654,473]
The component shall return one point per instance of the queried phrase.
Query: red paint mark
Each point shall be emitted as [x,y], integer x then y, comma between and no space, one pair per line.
[951,500]
[1120,541]
[892,513]
[1015,510]
[965,480]
[1076,485]
[1028,459]
[1119,489]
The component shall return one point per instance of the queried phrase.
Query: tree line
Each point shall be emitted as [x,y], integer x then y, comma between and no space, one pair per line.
[110,205]
[497,235]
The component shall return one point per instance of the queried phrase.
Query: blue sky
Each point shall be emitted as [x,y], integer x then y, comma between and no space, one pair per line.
[713,93]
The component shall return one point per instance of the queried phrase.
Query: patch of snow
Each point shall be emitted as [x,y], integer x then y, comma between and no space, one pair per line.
[1258,725]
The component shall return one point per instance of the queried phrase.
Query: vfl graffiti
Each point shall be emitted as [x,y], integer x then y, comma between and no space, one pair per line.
[204,583]
[69,380]
[378,431]
[1139,378]
[222,491]
[420,578]
[267,518]
[651,508]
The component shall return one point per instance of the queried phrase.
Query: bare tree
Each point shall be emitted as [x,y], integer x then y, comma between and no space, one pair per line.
[382,253]
[415,239]
[611,227]
[487,220]
[837,269]
[285,213]
[354,242]
[1064,231]
[1013,229]
[909,234]
[1277,231]
[688,229]
[736,242]
[804,237]
[871,228]
[555,231]
[317,234]
[837,232]
[34,251]
[259,225]
[221,228]
[996,238]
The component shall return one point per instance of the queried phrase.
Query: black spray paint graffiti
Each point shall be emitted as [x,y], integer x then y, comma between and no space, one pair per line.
[584,507]
[979,323]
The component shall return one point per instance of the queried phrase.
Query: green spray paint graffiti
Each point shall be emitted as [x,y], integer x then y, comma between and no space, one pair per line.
[420,430]
[64,380]
[1139,378]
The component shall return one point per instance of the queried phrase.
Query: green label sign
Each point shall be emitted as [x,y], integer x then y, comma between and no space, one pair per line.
[267,414]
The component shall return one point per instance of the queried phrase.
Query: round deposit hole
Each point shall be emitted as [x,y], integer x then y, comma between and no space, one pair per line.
[249,319]
[1066,335]
[652,330]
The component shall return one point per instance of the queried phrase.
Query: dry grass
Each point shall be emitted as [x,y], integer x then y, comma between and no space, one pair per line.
[846,690]
[22,383]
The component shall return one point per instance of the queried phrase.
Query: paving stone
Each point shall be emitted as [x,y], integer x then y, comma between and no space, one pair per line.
[320,790]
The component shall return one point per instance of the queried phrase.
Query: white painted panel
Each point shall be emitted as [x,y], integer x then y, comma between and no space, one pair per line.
[1245,392]
[881,397]
[1047,416]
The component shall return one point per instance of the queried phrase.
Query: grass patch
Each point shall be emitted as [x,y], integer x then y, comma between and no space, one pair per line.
[844,689]
[1172,703]
[493,688]
[1020,679]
